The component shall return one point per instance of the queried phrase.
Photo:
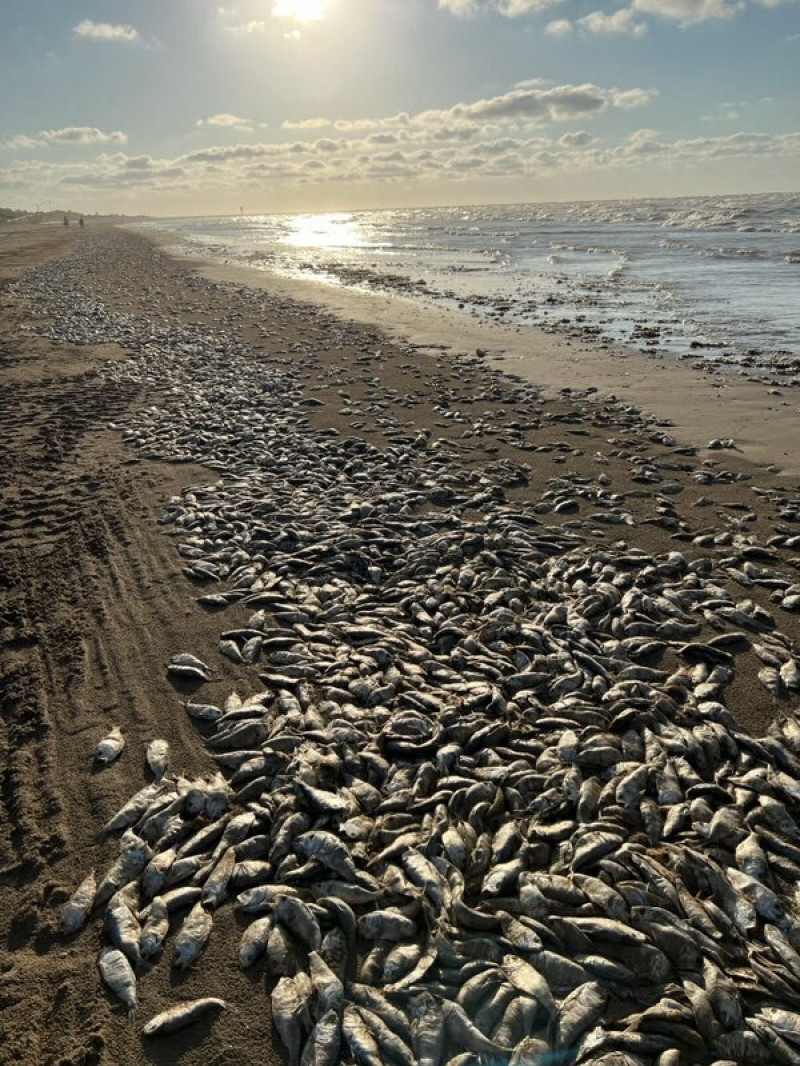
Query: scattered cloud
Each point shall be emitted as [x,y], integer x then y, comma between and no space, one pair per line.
[499,137]
[623,20]
[306,124]
[509,8]
[226,121]
[348,160]
[69,135]
[688,12]
[105,31]
[464,121]
[575,140]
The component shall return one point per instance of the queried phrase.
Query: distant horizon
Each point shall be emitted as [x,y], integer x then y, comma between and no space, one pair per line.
[146,108]
[487,203]
[403,207]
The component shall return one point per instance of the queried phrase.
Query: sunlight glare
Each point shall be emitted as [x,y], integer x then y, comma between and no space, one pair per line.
[324,231]
[300,10]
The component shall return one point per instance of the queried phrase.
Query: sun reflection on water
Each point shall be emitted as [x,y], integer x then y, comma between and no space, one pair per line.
[333,230]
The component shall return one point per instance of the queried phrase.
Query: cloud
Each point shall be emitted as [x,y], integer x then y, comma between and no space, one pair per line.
[226,121]
[466,121]
[557,103]
[623,21]
[105,31]
[69,135]
[509,8]
[258,168]
[686,12]
[306,124]
[575,140]
[690,11]
[500,137]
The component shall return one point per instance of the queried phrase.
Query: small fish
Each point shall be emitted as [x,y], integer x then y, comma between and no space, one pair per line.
[192,937]
[79,906]
[118,974]
[110,747]
[254,941]
[290,1014]
[204,712]
[157,756]
[155,929]
[181,1015]
[322,1047]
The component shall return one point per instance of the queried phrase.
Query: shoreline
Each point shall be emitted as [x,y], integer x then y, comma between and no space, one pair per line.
[700,405]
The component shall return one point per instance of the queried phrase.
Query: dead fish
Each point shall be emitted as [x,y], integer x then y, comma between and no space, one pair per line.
[216,884]
[192,937]
[360,1040]
[135,808]
[157,756]
[254,941]
[523,976]
[329,850]
[328,988]
[290,1014]
[189,669]
[300,920]
[110,747]
[79,906]
[386,925]
[118,974]
[155,929]
[181,1015]
[203,712]
[322,1046]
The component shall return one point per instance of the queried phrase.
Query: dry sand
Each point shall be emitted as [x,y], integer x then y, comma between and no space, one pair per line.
[93,599]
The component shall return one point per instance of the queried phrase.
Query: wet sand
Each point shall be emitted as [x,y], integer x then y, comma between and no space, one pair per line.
[702,403]
[94,598]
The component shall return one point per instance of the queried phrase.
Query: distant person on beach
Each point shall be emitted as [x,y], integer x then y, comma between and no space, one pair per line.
[81,223]
[66,220]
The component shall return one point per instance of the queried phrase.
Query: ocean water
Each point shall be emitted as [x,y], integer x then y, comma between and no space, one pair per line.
[716,278]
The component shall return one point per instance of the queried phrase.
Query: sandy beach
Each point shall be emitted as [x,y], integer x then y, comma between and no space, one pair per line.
[95,597]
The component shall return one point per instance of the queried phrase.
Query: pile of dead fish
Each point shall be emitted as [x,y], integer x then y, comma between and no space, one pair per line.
[479,787]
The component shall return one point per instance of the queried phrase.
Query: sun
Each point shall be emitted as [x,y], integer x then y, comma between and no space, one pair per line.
[300,10]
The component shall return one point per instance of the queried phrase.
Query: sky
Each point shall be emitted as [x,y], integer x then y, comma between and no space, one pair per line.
[190,107]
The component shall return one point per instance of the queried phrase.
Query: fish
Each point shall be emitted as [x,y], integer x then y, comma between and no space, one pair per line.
[118,974]
[192,937]
[180,1015]
[110,747]
[157,756]
[78,907]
